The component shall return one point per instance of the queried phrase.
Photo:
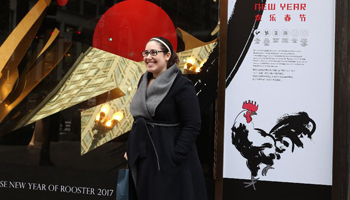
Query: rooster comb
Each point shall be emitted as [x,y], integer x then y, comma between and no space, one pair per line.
[250,105]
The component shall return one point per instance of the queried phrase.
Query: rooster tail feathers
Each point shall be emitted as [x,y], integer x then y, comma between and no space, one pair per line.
[262,132]
[294,127]
[313,128]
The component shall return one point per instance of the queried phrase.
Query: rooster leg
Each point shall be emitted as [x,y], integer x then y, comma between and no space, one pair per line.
[252,183]
[264,171]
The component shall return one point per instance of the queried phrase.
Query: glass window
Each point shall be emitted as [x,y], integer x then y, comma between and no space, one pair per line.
[108,63]
[77,77]
[92,72]
[100,80]
[85,119]
[70,87]
[81,98]
[122,62]
[85,65]
[89,63]
[84,82]
[88,90]
[76,91]
[87,138]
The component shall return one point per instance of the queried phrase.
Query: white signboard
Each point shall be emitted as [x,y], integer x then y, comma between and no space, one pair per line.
[279,104]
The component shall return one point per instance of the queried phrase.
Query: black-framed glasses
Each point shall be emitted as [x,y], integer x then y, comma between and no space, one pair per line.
[153,52]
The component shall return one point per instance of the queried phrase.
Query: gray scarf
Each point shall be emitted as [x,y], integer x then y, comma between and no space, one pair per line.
[146,100]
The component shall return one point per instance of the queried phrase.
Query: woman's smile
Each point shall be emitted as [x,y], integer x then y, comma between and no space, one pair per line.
[155,64]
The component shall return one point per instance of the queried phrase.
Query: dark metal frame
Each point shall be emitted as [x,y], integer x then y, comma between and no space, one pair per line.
[220,118]
[341,139]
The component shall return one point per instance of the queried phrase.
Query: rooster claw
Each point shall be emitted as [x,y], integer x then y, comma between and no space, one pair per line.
[251,183]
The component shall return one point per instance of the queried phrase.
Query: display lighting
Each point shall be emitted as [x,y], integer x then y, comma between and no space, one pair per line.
[103,124]
[189,62]
[191,67]
[198,69]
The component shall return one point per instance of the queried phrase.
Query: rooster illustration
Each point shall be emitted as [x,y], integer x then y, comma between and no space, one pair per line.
[260,148]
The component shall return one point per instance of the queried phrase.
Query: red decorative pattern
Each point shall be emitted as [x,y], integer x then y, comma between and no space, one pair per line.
[62,2]
[126,27]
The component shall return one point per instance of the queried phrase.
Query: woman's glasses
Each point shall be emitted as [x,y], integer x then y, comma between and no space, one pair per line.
[153,52]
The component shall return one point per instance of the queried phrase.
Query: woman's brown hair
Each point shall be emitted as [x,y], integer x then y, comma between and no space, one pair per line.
[173,58]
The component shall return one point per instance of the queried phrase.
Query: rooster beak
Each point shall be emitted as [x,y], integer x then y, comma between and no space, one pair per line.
[254,113]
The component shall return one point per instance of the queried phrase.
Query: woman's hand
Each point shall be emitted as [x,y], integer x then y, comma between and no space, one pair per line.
[125,156]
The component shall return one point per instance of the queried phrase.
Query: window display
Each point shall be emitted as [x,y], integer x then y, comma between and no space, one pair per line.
[64,62]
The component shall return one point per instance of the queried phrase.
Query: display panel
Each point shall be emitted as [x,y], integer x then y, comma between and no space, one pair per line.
[279,99]
[65,61]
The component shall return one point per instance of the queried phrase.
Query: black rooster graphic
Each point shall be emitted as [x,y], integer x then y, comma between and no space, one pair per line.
[261,148]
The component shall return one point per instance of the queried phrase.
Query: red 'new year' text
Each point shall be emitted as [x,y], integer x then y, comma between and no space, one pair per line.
[283,6]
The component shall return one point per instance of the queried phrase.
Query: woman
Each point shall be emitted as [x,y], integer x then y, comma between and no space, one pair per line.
[161,150]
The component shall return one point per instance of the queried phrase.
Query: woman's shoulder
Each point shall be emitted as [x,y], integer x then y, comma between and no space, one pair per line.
[182,81]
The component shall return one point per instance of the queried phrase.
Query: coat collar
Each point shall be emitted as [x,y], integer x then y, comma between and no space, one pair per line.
[146,100]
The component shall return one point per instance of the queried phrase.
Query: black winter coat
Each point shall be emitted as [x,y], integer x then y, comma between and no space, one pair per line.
[163,159]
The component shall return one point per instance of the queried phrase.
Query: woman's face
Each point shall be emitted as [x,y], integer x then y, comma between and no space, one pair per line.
[156,64]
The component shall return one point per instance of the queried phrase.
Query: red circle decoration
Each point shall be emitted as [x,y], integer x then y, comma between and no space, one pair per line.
[126,27]
[62,2]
